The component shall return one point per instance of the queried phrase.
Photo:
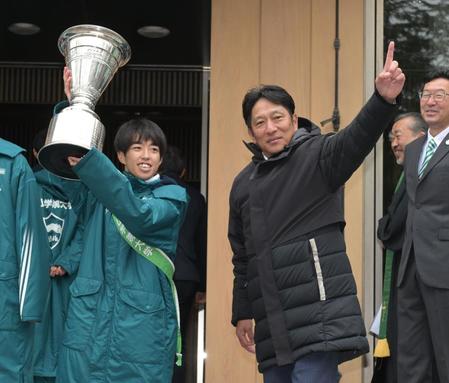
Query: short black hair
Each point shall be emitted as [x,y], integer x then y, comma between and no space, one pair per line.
[273,93]
[174,162]
[418,124]
[39,139]
[433,75]
[139,130]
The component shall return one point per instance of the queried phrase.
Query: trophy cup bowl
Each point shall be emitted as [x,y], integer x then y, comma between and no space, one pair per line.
[93,54]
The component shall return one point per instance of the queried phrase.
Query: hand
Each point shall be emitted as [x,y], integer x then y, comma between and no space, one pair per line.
[67,82]
[57,271]
[390,81]
[245,335]
[73,160]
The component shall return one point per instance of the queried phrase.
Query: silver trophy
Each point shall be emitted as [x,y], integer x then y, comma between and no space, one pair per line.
[93,54]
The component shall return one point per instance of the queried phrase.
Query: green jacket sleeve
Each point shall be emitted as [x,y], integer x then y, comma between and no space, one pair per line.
[32,246]
[69,258]
[144,218]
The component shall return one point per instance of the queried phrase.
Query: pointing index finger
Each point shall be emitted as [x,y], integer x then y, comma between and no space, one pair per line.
[389,58]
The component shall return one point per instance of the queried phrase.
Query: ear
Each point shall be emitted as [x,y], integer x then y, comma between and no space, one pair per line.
[250,133]
[121,157]
[295,121]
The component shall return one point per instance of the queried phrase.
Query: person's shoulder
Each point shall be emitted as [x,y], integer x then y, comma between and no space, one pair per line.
[9,149]
[171,191]
[419,142]
[194,194]
[244,173]
[14,163]
[13,154]
[41,175]
[414,146]
[240,185]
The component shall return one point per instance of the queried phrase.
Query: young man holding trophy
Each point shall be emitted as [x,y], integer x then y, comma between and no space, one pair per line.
[122,324]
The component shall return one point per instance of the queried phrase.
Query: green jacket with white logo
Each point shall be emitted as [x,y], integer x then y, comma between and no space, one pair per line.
[121,324]
[24,264]
[65,239]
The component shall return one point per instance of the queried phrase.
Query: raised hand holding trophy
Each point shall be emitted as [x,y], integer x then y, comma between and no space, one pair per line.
[93,54]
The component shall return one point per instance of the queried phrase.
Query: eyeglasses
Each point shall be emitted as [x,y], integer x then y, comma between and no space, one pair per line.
[438,96]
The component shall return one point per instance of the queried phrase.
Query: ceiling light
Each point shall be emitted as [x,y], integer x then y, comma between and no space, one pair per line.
[24,29]
[153,31]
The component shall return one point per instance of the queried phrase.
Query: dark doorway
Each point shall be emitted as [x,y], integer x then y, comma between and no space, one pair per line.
[166,79]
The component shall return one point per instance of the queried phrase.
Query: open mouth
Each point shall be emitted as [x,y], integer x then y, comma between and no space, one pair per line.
[144,166]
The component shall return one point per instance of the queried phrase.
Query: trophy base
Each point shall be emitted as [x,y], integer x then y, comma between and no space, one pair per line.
[54,156]
[73,132]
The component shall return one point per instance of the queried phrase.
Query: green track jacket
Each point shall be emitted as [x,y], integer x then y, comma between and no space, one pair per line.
[65,240]
[24,264]
[121,323]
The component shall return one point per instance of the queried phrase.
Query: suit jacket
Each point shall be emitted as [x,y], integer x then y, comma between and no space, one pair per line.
[391,227]
[190,260]
[391,231]
[427,228]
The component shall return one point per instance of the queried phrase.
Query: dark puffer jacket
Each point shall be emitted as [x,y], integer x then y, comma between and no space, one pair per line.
[292,274]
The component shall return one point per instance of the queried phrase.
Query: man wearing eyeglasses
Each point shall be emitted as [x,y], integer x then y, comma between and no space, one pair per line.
[423,280]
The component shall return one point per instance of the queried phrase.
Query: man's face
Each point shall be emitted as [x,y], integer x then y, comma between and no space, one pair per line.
[272,126]
[142,159]
[400,136]
[434,112]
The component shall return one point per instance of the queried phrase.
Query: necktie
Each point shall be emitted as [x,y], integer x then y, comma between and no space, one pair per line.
[431,147]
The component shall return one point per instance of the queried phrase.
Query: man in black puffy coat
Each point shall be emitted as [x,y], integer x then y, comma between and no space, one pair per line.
[292,274]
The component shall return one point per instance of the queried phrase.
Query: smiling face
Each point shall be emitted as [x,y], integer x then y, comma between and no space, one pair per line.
[142,159]
[272,126]
[400,136]
[436,113]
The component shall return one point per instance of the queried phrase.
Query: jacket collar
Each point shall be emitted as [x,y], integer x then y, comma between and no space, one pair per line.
[139,185]
[54,185]
[442,151]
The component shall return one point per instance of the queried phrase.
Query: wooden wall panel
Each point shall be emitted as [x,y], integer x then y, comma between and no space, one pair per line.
[322,68]
[285,48]
[352,93]
[235,59]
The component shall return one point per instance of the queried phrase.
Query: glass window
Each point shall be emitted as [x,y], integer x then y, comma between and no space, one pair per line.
[420,29]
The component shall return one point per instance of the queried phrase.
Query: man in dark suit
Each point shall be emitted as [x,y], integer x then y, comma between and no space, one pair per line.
[190,261]
[423,280]
[406,128]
